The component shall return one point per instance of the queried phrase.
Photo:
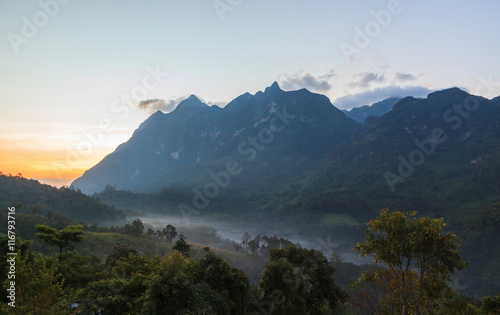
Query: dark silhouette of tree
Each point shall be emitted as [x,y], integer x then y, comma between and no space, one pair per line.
[63,239]
[170,232]
[137,227]
[245,240]
[182,246]
[304,279]
[120,250]
[151,233]
[226,281]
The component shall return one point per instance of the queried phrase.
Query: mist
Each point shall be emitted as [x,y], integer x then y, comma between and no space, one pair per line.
[225,236]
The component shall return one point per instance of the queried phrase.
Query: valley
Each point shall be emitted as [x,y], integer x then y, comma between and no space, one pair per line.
[286,167]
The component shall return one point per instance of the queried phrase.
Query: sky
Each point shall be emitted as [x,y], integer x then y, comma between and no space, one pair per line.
[78,77]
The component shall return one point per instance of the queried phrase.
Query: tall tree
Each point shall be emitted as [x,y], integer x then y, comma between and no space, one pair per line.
[304,280]
[170,232]
[63,239]
[419,259]
[137,227]
[226,280]
[120,250]
[182,246]
[245,239]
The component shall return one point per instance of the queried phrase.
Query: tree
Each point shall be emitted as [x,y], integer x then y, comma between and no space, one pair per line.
[254,245]
[226,281]
[182,246]
[175,289]
[170,232]
[151,233]
[418,258]
[119,251]
[491,305]
[304,280]
[121,291]
[245,240]
[40,289]
[159,234]
[63,239]
[137,227]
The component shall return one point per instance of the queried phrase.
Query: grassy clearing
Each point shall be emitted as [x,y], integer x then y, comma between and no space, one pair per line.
[101,244]
[332,220]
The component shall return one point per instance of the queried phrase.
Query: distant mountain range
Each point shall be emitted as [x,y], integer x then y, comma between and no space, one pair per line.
[291,161]
[377,109]
[439,155]
[276,137]
[294,151]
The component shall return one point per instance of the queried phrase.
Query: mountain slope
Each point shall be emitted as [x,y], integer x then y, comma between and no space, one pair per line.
[378,109]
[161,143]
[31,196]
[274,136]
[440,155]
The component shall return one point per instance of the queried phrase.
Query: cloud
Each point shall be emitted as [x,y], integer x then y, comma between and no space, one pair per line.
[154,105]
[315,83]
[378,94]
[364,79]
[405,76]
[219,104]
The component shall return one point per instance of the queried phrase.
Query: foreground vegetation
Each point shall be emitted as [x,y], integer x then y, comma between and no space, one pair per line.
[415,262]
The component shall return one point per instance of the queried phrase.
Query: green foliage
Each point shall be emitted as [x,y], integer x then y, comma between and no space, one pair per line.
[304,280]
[120,250]
[418,258]
[39,288]
[229,282]
[480,237]
[182,246]
[35,198]
[491,305]
[174,284]
[63,239]
[122,290]
[170,232]
[137,227]
[173,288]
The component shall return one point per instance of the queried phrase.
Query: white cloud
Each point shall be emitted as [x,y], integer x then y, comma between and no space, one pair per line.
[405,77]
[371,96]
[364,79]
[301,80]
[166,106]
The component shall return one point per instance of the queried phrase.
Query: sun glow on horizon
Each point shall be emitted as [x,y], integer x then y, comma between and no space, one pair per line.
[47,166]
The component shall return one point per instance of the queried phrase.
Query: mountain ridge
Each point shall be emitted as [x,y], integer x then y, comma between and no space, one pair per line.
[195,132]
[360,114]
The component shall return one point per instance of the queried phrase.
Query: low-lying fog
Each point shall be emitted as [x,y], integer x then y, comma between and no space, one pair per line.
[219,235]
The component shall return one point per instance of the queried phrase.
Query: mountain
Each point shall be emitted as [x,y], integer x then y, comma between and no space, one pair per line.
[440,155]
[29,195]
[299,154]
[275,137]
[378,109]
[161,143]
[300,165]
